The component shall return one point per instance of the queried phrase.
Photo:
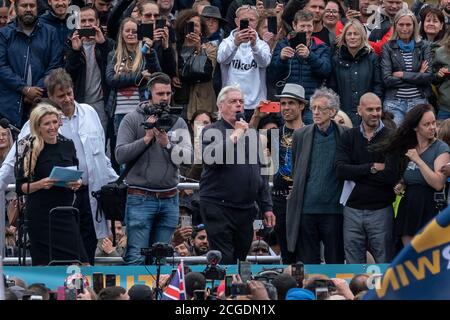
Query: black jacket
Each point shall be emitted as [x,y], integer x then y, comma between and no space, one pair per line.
[353,162]
[231,185]
[392,61]
[75,64]
[354,76]
[291,9]
[378,33]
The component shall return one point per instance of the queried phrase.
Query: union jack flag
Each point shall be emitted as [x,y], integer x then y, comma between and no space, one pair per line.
[176,289]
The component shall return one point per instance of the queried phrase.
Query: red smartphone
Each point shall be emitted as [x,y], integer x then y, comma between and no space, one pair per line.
[270,107]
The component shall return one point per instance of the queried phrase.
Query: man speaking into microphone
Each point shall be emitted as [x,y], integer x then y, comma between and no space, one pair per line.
[231,180]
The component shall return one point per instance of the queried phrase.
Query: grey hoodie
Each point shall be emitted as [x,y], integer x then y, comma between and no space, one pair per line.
[157,169]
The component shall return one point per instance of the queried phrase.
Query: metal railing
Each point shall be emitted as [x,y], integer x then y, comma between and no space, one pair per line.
[169,260]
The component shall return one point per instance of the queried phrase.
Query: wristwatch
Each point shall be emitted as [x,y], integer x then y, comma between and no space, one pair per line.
[373,170]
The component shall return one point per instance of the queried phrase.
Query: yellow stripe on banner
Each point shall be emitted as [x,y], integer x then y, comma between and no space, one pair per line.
[345,275]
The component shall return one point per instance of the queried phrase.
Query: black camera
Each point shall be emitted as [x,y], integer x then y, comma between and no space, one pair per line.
[159,250]
[440,200]
[239,289]
[166,115]
[214,272]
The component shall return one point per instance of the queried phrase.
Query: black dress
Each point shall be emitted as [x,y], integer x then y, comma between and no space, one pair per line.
[417,207]
[65,235]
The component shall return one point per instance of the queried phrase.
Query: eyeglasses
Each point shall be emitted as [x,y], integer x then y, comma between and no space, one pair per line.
[333,12]
[319,109]
[149,15]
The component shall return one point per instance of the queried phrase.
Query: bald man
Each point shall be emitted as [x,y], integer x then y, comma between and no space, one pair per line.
[368,192]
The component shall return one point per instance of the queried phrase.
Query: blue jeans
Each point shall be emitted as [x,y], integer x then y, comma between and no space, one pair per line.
[399,107]
[148,220]
[117,120]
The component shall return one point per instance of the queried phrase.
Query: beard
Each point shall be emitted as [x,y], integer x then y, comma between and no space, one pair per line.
[28,20]
[201,250]
[447,10]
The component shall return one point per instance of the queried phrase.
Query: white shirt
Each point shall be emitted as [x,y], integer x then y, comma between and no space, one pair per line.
[69,129]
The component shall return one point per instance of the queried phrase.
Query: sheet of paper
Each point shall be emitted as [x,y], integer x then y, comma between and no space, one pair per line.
[346,191]
[65,174]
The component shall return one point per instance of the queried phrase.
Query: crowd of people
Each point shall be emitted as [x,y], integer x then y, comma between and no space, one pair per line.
[280,284]
[170,91]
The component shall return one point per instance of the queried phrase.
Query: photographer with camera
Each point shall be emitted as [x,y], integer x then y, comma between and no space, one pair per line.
[148,134]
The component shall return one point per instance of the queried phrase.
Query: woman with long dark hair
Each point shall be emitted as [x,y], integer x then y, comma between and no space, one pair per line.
[193,92]
[422,157]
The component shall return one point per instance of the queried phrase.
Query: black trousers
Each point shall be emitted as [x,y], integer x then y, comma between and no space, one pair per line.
[327,228]
[229,230]
[87,228]
[279,209]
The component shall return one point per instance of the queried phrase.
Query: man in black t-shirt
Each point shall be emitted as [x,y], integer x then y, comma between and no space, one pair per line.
[317,8]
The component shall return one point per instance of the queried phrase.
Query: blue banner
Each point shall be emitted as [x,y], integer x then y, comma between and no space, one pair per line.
[421,269]
[126,276]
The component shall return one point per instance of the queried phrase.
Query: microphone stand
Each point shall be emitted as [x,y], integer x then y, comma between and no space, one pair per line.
[19,204]
[23,229]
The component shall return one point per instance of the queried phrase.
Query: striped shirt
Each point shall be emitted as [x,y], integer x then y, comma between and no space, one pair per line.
[127,100]
[409,92]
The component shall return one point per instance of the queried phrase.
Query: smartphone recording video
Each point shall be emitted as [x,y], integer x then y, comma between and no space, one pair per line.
[160,23]
[243,24]
[245,271]
[145,30]
[299,38]
[186,221]
[190,27]
[298,272]
[88,32]
[272,25]
[110,280]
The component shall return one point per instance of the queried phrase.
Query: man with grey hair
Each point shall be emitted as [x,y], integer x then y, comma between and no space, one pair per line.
[231,180]
[313,212]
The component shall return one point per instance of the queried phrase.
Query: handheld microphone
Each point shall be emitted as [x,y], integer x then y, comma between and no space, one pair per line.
[240,116]
[5,124]
[214,257]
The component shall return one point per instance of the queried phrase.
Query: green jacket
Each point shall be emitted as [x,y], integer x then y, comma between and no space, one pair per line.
[442,59]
